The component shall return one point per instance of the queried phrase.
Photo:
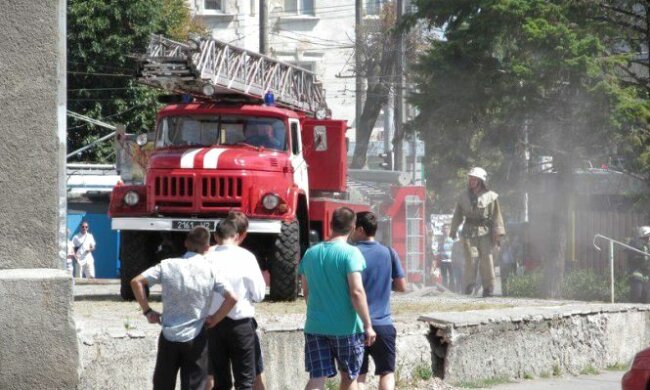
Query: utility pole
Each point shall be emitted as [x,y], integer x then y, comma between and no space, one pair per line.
[526,169]
[388,128]
[264,23]
[414,151]
[400,160]
[358,37]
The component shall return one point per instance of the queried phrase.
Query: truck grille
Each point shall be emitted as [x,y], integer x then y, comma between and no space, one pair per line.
[197,193]
[221,191]
[174,191]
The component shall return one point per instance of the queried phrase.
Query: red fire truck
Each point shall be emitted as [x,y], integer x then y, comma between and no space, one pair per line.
[247,133]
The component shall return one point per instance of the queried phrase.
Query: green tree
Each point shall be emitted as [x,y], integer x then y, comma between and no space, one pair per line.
[103,37]
[509,65]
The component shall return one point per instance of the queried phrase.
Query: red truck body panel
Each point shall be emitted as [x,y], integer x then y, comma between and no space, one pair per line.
[325,153]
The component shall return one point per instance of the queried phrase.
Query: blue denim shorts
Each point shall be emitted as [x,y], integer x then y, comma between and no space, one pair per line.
[321,351]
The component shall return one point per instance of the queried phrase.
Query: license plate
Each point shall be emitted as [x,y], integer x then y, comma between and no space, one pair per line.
[189,225]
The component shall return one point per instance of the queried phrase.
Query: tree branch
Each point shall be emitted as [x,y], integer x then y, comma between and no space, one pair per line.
[621,11]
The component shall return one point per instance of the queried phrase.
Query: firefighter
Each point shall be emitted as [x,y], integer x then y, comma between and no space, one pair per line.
[478,210]
[639,266]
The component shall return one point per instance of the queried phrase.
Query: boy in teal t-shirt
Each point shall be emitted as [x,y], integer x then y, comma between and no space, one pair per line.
[329,309]
[338,322]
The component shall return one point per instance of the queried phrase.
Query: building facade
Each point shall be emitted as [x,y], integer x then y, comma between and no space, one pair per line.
[316,35]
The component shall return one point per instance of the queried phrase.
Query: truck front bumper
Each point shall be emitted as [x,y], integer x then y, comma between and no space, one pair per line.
[186,224]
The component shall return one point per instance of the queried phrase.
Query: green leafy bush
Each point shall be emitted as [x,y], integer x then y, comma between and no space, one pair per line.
[580,285]
[587,285]
[528,285]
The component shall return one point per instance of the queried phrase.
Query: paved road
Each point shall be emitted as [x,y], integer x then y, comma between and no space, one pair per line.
[608,380]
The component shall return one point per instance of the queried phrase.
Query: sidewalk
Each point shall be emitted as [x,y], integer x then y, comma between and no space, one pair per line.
[607,380]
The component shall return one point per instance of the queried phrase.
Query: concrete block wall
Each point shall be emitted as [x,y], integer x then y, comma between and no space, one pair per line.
[38,341]
[32,72]
[122,358]
[284,362]
[522,342]
[469,346]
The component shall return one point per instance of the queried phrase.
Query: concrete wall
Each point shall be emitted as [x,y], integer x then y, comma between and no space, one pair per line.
[523,342]
[38,342]
[124,357]
[29,143]
[465,346]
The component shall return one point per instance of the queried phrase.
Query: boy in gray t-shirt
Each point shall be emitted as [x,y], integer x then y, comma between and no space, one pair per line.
[187,286]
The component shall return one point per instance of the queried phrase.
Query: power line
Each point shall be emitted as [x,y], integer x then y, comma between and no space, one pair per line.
[300,11]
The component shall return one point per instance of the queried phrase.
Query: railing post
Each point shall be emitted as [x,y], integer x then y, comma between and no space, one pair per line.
[611,268]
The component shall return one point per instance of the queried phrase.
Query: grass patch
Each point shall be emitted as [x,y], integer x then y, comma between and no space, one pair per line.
[557,371]
[422,372]
[590,370]
[484,383]
[618,367]
[528,375]
[331,384]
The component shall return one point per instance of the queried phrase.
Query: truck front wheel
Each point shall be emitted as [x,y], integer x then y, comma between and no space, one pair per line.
[136,255]
[284,263]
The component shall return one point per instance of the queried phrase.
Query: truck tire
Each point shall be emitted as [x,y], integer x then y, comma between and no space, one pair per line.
[284,263]
[136,255]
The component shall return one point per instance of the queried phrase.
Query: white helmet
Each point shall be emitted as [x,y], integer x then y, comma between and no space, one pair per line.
[643,231]
[478,173]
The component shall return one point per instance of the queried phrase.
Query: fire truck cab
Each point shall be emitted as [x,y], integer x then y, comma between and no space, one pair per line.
[211,158]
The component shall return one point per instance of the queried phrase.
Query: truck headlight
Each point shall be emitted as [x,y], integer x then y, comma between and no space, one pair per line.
[131,198]
[270,201]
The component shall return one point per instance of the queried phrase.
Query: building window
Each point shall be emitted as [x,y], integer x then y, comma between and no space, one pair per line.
[213,5]
[373,7]
[299,7]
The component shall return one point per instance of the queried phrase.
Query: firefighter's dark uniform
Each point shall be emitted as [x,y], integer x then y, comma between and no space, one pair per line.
[639,269]
[482,222]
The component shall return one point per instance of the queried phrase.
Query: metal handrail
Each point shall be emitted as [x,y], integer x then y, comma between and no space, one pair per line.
[611,257]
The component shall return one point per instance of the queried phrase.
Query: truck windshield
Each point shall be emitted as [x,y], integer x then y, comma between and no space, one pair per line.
[209,130]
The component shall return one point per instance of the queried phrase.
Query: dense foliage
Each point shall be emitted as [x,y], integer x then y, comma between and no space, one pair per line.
[556,68]
[103,37]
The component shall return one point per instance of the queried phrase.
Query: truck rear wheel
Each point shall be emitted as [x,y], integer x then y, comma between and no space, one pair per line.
[136,255]
[284,263]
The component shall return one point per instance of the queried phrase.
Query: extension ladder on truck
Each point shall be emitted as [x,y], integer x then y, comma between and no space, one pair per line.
[189,67]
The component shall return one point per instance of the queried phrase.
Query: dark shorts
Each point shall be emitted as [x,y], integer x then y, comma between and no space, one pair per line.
[382,351]
[259,360]
[321,351]
[231,346]
[190,357]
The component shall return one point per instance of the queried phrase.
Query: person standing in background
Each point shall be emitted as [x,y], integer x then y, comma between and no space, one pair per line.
[338,322]
[232,342]
[383,274]
[84,246]
[639,266]
[478,210]
[188,284]
[445,244]
[458,265]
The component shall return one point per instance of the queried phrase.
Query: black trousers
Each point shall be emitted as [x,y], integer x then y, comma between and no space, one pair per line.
[190,357]
[232,343]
